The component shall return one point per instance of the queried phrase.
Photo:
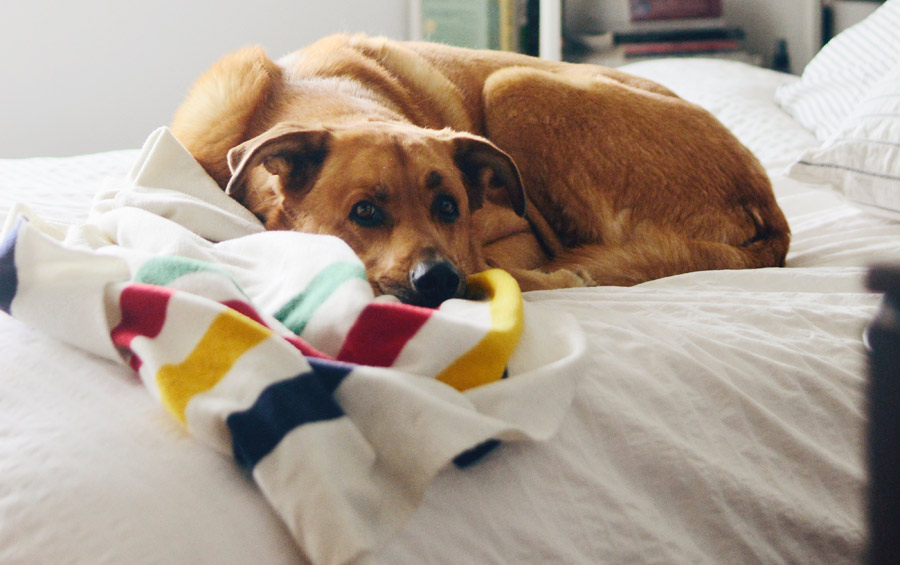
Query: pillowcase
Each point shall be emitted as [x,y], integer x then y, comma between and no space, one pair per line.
[843,71]
[862,159]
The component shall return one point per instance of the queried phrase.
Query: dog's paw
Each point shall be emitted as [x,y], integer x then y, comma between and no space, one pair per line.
[571,278]
[560,278]
[585,277]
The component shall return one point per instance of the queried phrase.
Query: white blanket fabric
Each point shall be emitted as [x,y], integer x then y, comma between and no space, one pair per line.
[184,284]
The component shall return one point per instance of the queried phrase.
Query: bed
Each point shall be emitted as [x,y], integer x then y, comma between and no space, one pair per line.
[712,417]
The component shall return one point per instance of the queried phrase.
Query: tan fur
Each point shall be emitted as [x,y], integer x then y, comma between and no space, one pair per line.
[625,182]
[218,113]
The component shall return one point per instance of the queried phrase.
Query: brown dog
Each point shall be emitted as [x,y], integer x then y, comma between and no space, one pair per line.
[434,162]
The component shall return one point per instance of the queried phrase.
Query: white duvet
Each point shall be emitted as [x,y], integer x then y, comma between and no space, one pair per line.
[721,421]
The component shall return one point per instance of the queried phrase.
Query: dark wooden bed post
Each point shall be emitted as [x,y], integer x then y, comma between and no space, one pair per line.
[883,342]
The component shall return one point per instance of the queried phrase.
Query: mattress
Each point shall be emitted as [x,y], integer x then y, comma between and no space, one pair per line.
[720,417]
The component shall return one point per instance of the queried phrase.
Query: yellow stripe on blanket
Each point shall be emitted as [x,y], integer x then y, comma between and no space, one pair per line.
[486,362]
[228,337]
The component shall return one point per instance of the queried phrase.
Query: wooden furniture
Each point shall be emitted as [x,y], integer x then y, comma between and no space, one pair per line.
[766,23]
[883,342]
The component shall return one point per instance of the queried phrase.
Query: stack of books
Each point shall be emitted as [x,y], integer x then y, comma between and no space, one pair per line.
[677,28]
[662,28]
[656,10]
[674,42]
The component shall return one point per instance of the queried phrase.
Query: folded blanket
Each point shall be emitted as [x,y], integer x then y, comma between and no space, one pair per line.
[270,347]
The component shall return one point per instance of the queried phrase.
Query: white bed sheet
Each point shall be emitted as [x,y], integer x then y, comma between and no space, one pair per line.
[60,189]
[722,420]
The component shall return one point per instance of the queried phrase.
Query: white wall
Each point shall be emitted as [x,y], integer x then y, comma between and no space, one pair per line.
[83,76]
[766,21]
[847,13]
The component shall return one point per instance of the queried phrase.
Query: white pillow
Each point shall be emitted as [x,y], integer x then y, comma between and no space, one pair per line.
[862,158]
[843,71]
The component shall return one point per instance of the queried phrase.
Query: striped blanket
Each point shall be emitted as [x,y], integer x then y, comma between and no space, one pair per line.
[270,347]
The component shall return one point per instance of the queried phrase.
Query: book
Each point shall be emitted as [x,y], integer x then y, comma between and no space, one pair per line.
[529,31]
[644,29]
[644,10]
[508,14]
[678,34]
[478,24]
[681,47]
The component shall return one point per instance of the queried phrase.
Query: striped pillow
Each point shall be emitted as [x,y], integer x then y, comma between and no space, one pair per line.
[862,159]
[842,72]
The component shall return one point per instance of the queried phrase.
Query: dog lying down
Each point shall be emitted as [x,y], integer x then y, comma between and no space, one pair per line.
[435,162]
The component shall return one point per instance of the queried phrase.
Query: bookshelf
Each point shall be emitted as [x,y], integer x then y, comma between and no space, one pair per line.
[550,26]
[637,30]
[765,23]
[480,34]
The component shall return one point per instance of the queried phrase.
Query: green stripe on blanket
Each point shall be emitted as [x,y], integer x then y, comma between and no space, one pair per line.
[300,309]
[161,271]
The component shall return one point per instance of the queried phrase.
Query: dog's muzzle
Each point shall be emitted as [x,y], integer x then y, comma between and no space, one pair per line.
[434,282]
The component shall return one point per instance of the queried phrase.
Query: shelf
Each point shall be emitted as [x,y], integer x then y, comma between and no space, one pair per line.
[616,57]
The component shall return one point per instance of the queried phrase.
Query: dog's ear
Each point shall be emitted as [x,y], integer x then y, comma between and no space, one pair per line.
[293,155]
[485,166]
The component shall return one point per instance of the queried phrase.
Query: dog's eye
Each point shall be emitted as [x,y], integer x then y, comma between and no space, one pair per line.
[445,208]
[367,214]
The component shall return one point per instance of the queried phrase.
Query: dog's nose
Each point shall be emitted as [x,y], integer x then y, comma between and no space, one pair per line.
[435,282]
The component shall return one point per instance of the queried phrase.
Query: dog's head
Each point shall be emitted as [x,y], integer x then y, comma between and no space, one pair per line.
[401,196]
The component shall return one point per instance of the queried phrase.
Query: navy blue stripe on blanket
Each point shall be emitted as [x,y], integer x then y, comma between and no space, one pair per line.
[474,455]
[283,407]
[9,278]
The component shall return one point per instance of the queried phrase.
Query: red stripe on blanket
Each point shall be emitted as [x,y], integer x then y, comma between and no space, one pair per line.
[144,307]
[380,333]
[143,314]
[245,309]
[248,310]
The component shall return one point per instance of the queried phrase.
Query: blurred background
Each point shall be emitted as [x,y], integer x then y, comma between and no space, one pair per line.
[95,75]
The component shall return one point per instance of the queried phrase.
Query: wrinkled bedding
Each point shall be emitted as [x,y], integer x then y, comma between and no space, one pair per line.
[270,347]
[720,417]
